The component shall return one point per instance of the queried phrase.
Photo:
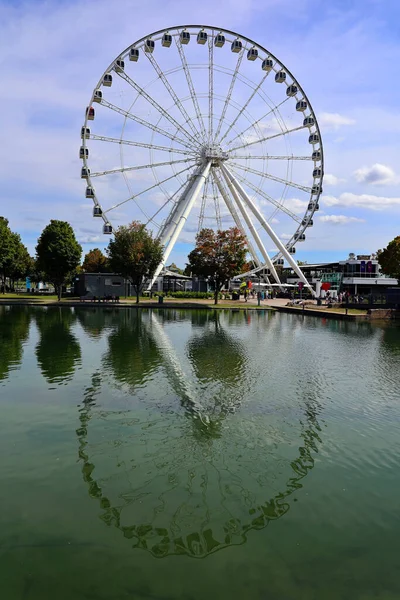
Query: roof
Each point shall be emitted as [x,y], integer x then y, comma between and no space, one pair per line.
[167,273]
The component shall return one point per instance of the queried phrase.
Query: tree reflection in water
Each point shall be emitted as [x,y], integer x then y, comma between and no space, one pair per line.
[14,331]
[171,484]
[133,353]
[58,352]
[95,320]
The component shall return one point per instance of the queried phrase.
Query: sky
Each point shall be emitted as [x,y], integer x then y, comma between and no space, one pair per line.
[345,54]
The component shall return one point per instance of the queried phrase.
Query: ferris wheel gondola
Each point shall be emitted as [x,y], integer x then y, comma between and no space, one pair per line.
[197,133]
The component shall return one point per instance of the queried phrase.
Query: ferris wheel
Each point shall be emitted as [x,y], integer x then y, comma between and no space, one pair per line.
[193,128]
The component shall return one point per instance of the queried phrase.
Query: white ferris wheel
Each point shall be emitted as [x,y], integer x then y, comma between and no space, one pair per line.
[193,128]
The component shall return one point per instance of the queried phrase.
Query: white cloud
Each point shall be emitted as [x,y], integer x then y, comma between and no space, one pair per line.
[296,205]
[274,221]
[369,201]
[340,219]
[378,174]
[330,179]
[286,236]
[90,239]
[333,120]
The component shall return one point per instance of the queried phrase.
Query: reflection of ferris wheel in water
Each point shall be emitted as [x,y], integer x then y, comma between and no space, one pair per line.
[193,130]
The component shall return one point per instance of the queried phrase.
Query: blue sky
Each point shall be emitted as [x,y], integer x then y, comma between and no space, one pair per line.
[345,54]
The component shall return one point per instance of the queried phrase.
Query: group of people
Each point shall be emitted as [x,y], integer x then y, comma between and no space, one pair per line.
[350,298]
[251,293]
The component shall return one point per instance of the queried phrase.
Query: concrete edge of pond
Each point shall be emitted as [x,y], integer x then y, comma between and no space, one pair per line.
[123,305]
[380,314]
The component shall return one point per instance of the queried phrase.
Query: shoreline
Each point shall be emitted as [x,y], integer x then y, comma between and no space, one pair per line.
[187,305]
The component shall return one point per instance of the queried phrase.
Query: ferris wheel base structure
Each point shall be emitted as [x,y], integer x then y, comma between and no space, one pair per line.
[174,226]
[227,146]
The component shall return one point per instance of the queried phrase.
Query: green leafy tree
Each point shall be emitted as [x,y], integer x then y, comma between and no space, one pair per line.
[218,256]
[7,250]
[58,254]
[15,262]
[95,262]
[36,274]
[22,262]
[135,254]
[389,259]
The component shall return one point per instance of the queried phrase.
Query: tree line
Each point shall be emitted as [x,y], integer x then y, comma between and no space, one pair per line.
[135,254]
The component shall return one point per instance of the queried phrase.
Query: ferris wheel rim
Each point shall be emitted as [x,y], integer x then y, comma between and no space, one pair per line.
[175,30]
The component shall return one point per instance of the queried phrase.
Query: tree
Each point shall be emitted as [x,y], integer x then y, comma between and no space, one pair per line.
[22,262]
[15,261]
[389,259]
[95,262]
[135,254]
[6,251]
[58,253]
[218,256]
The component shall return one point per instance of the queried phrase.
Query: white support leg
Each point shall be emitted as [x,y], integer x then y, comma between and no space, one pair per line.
[174,215]
[267,227]
[250,225]
[235,217]
[185,208]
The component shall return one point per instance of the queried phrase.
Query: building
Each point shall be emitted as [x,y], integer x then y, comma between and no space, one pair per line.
[100,285]
[358,275]
[109,284]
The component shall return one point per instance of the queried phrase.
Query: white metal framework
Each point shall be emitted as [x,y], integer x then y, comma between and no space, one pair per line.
[197,126]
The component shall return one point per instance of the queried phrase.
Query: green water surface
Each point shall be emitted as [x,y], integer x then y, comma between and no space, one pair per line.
[159,455]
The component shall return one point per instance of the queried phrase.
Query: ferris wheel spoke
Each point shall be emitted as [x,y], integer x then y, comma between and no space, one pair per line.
[138,167]
[231,207]
[258,121]
[244,107]
[244,203]
[152,187]
[267,227]
[270,157]
[103,138]
[303,188]
[266,196]
[158,107]
[145,123]
[203,204]
[172,93]
[229,95]
[210,88]
[191,88]
[216,203]
[270,137]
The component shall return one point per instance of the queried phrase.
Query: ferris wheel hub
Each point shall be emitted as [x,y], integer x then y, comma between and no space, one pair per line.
[214,153]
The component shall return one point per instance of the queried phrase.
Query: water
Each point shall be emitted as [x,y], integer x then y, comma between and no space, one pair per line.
[197,454]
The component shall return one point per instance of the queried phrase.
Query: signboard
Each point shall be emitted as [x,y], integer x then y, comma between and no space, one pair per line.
[301,285]
[326,286]
[362,266]
[28,283]
[369,266]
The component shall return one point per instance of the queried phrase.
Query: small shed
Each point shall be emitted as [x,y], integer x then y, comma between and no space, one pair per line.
[100,285]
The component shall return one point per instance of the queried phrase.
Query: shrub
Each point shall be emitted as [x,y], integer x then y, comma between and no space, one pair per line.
[198,295]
